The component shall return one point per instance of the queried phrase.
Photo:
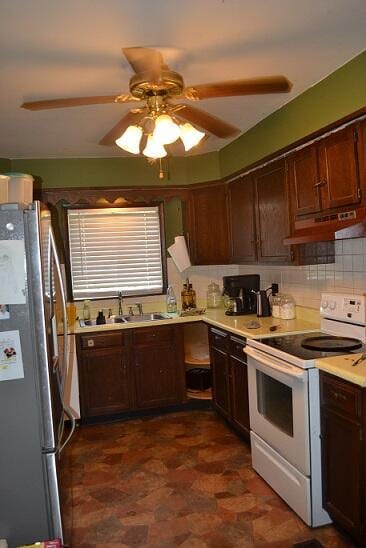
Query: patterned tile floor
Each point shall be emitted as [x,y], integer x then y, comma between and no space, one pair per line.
[181,479]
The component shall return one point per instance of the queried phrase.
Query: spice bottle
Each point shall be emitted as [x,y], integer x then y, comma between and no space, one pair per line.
[188,296]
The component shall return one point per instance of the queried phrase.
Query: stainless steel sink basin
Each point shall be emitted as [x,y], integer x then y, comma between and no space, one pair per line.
[151,317]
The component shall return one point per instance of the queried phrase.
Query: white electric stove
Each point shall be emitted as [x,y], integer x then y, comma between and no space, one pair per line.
[284,402]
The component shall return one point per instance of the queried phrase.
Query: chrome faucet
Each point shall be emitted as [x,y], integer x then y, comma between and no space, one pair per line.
[139,308]
[120,303]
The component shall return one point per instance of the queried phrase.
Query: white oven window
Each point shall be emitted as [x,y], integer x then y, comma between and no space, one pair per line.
[274,402]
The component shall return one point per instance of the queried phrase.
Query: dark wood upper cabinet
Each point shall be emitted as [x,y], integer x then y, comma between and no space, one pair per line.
[242,220]
[272,213]
[339,169]
[326,175]
[206,225]
[303,177]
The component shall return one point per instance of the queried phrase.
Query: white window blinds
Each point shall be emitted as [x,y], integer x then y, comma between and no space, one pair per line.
[115,249]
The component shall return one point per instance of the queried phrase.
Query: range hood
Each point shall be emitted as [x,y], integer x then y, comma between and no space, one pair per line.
[335,226]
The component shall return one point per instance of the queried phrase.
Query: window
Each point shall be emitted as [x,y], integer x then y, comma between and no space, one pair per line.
[115,249]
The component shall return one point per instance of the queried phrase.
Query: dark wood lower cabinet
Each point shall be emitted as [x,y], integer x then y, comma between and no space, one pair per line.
[343,421]
[135,369]
[230,379]
[159,367]
[220,380]
[104,375]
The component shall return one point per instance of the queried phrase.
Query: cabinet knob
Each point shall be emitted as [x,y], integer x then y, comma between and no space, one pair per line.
[320,183]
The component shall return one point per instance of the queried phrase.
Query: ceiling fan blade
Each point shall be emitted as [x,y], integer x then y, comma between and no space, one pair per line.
[77,102]
[128,119]
[148,60]
[252,86]
[207,121]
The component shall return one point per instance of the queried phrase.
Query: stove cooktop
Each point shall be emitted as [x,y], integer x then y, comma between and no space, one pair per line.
[292,345]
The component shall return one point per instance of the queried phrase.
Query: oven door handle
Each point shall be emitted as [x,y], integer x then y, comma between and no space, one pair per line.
[275,364]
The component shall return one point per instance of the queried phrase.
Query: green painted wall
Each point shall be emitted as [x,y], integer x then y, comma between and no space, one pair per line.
[92,172]
[341,93]
[5,165]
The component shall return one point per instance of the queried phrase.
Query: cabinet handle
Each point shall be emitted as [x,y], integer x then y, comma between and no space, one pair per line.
[339,396]
[320,183]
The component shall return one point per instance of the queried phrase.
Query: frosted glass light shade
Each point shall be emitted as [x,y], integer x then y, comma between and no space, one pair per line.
[166,131]
[154,149]
[190,136]
[130,139]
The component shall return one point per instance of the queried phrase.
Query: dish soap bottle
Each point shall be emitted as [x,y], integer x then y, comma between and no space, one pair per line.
[171,301]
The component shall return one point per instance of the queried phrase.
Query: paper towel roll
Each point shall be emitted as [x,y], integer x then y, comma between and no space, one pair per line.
[179,253]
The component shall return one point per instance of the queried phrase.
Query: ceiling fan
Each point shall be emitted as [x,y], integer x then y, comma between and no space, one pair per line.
[159,86]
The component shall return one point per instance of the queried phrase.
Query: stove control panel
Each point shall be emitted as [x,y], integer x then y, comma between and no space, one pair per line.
[344,307]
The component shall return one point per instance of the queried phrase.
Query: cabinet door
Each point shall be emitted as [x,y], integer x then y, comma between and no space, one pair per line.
[239,395]
[158,373]
[104,382]
[339,169]
[207,225]
[272,214]
[303,177]
[220,380]
[342,470]
[241,221]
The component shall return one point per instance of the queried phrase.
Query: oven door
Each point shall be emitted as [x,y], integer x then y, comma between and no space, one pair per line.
[278,405]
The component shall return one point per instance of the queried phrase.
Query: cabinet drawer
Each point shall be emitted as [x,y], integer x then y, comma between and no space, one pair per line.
[102,340]
[236,347]
[341,396]
[150,335]
[219,339]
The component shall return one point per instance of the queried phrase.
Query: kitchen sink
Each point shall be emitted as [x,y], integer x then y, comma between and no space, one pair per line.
[151,317]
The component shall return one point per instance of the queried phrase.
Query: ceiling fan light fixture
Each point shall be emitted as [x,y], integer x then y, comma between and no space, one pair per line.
[190,136]
[166,131]
[130,139]
[154,149]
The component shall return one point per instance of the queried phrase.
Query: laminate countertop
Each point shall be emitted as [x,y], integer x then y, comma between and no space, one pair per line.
[341,366]
[216,317]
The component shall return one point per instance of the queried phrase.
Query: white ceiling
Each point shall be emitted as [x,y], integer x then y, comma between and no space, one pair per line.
[66,48]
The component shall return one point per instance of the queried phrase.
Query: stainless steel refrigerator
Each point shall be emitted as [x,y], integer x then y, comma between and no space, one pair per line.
[34,479]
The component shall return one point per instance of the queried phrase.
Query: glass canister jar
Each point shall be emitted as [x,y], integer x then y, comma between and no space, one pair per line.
[288,308]
[214,298]
[276,305]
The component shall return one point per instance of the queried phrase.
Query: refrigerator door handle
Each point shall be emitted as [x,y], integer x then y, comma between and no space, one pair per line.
[69,414]
[64,311]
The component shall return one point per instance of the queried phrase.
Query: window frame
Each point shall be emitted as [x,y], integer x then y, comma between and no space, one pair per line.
[158,204]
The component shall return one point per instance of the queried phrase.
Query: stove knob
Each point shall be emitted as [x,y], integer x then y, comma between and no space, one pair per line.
[332,305]
[325,304]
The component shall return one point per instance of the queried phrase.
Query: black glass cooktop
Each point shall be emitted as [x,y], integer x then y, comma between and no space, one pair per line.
[292,344]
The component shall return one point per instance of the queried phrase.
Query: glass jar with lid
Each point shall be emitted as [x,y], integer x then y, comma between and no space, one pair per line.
[276,305]
[287,308]
[214,297]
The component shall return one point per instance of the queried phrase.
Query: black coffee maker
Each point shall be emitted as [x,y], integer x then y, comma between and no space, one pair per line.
[240,290]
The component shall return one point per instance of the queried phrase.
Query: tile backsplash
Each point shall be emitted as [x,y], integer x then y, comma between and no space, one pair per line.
[304,283]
